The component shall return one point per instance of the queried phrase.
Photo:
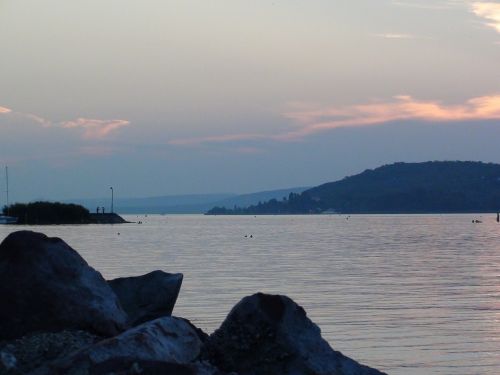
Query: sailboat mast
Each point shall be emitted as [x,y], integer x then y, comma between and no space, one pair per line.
[7,187]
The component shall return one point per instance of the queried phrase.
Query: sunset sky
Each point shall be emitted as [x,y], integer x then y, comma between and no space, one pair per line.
[158,97]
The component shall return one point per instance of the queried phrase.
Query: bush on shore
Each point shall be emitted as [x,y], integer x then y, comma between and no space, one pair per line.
[48,213]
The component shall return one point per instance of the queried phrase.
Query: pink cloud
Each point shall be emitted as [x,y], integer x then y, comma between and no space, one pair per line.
[490,11]
[35,118]
[394,36]
[310,119]
[40,120]
[402,107]
[94,128]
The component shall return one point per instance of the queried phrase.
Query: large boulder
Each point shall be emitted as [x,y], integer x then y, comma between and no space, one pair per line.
[149,296]
[156,343]
[271,334]
[48,286]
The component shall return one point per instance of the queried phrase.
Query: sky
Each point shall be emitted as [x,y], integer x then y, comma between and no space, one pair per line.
[160,97]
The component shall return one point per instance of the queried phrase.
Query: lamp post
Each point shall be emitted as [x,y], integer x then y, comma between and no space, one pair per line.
[111,199]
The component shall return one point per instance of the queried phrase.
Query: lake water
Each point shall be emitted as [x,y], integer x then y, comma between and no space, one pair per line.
[408,294]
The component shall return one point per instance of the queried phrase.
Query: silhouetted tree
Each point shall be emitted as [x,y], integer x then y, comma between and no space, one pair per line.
[48,213]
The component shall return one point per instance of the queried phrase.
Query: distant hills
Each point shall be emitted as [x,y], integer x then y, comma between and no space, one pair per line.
[193,203]
[429,187]
[184,204]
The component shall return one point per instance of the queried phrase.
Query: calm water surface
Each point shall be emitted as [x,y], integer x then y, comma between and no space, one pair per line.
[415,294]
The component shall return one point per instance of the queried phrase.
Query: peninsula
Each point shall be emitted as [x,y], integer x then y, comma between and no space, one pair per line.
[46,213]
[429,187]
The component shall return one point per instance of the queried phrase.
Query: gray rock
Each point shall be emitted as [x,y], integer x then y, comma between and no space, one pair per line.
[48,286]
[271,334]
[147,297]
[165,340]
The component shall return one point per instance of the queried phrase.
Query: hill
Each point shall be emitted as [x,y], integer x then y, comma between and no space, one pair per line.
[429,187]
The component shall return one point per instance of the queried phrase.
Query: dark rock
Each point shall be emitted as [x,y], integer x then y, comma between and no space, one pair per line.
[48,286]
[201,334]
[126,366]
[167,340]
[270,335]
[149,296]
[8,363]
[206,368]
[35,350]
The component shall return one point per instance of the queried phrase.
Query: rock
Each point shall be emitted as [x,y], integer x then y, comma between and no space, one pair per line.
[166,340]
[35,350]
[8,362]
[48,286]
[149,296]
[206,368]
[129,366]
[270,335]
[201,334]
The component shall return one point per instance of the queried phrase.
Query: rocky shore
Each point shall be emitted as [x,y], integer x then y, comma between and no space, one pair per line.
[110,218]
[59,316]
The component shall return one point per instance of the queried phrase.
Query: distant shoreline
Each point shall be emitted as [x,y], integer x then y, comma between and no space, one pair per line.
[359,213]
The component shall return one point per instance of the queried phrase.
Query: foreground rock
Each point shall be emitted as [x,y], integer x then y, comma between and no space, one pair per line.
[149,296]
[47,286]
[64,310]
[32,351]
[270,335]
[121,366]
[159,342]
